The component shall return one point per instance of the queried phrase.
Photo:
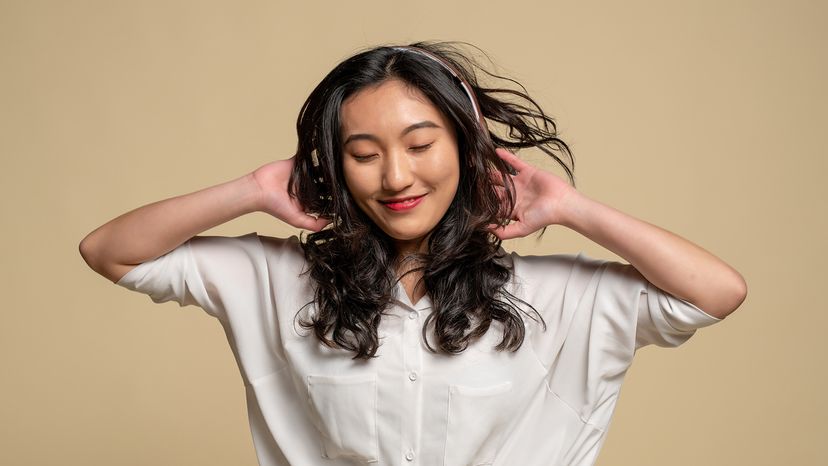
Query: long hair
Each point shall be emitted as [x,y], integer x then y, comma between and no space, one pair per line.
[352,261]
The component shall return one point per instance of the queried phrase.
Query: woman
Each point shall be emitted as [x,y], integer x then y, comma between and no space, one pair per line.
[399,331]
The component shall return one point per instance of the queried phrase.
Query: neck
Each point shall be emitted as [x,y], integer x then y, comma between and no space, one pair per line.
[407,247]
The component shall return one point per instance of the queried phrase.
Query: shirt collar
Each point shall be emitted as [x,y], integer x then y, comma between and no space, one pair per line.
[402,298]
[425,302]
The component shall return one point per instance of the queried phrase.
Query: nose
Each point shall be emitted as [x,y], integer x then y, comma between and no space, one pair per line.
[398,173]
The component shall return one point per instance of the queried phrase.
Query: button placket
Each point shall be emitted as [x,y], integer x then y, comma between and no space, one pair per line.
[412,335]
[412,364]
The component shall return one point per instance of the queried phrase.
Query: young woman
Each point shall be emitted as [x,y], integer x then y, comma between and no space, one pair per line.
[399,331]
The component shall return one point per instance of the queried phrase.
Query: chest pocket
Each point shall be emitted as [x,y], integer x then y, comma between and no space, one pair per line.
[345,412]
[477,419]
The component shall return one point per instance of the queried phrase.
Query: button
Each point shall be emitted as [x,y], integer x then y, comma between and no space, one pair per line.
[412,375]
[412,315]
[409,455]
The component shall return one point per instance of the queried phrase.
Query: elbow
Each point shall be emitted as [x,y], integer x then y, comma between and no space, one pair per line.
[740,293]
[734,299]
[87,252]
[83,250]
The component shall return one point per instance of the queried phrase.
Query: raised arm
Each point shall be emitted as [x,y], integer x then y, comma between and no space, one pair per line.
[666,260]
[150,231]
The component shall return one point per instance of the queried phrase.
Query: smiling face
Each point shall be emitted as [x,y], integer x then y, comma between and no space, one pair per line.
[398,145]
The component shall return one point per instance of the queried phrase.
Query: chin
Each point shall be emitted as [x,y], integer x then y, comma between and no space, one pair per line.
[406,237]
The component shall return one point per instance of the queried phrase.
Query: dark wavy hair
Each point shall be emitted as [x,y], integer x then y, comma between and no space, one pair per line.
[352,261]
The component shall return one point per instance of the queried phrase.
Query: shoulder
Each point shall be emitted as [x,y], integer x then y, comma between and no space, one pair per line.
[277,243]
[279,247]
[546,265]
[269,243]
[540,277]
[551,274]
[572,265]
[220,251]
[284,255]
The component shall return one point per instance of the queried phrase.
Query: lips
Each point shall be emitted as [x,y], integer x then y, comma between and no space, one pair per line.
[399,200]
[403,203]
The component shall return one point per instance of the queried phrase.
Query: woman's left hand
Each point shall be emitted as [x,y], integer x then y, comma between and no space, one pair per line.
[540,198]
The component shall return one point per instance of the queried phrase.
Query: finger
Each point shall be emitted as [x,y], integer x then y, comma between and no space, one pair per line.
[302,219]
[495,229]
[512,230]
[503,232]
[498,178]
[503,201]
[503,193]
[495,178]
[322,223]
[511,159]
[309,222]
[503,196]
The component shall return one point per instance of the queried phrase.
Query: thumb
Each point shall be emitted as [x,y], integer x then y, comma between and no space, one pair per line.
[504,232]
[498,230]
[312,223]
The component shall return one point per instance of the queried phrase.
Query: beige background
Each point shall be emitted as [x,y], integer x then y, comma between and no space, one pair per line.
[702,117]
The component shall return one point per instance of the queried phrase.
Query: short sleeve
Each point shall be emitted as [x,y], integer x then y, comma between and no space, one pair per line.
[204,271]
[598,314]
[622,293]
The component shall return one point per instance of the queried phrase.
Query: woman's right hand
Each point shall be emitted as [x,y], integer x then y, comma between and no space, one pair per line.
[272,179]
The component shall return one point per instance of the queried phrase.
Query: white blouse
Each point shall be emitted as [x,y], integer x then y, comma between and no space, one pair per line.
[549,403]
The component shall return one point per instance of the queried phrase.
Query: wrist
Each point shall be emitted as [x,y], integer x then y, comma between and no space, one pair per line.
[249,193]
[573,210]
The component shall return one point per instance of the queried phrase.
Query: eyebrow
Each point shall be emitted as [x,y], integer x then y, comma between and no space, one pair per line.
[408,129]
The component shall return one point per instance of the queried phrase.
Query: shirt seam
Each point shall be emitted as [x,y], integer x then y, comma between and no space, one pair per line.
[258,379]
[574,411]
[518,283]
[664,318]
[535,354]
[692,306]
[193,273]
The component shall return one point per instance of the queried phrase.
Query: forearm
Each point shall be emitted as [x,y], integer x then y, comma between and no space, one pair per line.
[668,261]
[155,229]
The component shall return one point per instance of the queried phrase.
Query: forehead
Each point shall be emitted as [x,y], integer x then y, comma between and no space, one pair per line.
[387,107]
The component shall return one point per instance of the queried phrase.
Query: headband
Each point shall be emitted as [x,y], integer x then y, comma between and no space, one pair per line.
[453,71]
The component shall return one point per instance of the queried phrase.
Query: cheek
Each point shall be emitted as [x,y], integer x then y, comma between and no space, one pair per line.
[356,181]
[447,172]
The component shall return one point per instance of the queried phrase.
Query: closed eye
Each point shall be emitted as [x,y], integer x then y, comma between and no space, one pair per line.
[422,148]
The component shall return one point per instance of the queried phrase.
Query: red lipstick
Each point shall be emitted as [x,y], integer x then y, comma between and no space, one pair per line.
[406,204]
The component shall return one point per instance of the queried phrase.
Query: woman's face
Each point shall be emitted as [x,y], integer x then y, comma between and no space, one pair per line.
[398,145]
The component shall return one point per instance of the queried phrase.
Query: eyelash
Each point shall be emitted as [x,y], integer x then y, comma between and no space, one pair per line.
[422,148]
